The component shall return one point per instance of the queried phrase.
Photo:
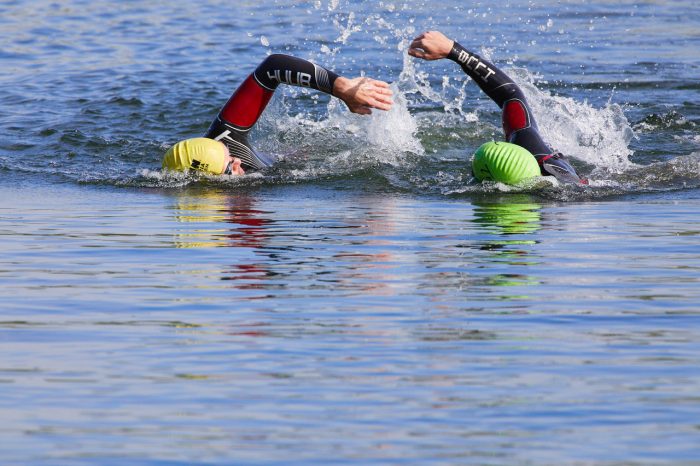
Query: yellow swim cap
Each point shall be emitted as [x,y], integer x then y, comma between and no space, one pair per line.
[202,154]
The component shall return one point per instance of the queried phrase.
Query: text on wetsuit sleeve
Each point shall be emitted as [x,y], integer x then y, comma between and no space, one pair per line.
[302,79]
[474,63]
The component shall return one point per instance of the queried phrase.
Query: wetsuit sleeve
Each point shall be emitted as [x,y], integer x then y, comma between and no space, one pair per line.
[494,82]
[284,69]
[244,107]
[519,125]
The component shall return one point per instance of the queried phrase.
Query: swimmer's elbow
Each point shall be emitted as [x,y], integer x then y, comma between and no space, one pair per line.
[274,61]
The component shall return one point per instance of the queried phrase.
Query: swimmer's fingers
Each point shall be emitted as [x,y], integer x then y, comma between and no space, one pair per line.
[420,49]
[379,97]
[384,92]
[384,102]
[417,43]
[416,46]
[431,45]
[382,84]
[373,94]
[418,53]
[378,87]
[380,104]
[368,103]
[381,92]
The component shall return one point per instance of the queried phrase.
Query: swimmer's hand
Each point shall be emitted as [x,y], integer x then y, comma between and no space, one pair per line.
[361,95]
[431,45]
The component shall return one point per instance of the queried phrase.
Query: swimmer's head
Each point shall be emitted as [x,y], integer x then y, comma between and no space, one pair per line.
[504,162]
[201,154]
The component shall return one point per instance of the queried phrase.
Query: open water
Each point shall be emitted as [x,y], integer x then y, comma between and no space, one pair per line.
[364,301]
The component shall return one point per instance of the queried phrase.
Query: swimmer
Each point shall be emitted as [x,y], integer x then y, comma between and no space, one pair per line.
[518,122]
[225,149]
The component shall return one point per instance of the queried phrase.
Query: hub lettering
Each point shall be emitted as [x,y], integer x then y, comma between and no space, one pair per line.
[300,79]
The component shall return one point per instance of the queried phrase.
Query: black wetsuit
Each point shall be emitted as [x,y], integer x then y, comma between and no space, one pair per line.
[519,125]
[247,103]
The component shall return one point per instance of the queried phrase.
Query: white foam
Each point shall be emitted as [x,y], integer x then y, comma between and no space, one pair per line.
[384,137]
[393,132]
[598,136]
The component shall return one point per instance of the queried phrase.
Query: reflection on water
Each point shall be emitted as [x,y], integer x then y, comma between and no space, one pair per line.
[216,219]
[287,252]
[358,249]
[516,215]
[514,222]
[355,253]
[244,226]
[238,328]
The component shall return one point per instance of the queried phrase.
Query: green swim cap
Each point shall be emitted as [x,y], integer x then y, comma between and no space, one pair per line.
[504,162]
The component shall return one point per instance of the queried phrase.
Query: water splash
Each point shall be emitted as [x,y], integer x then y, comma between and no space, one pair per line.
[392,133]
[338,138]
[597,136]
[346,28]
[423,145]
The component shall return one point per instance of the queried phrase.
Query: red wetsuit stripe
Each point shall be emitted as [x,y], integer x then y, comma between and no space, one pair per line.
[246,104]
[515,117]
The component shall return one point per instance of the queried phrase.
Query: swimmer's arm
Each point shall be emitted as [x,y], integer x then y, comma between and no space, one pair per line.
[434,45]
[359,94]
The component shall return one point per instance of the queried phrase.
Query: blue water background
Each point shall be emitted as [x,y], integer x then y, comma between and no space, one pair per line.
[365,301]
